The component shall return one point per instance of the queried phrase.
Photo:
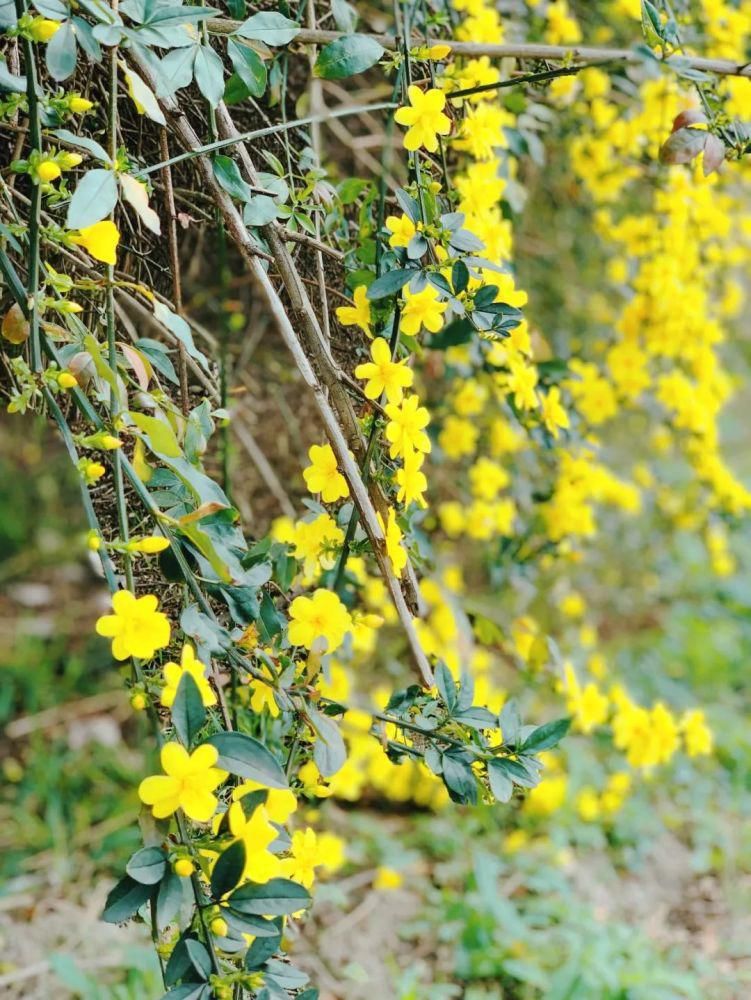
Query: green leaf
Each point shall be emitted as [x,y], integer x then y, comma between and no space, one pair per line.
[275,898]
[459,779]
[93,200]
[188,960]
[125,899]
[517,772]
[147,866]
[229,177]
[189,991]
[329,750]
[247,757]
[205,631]
[510,722]
[261,950]
[83,142]
[249,67]
[161,437]
[651,23]
[62,52]
[390,283]
[188,712]
[260,210]
[169,899]
[174,71]
[500,784]
[9,81]
[347,56]
[446,686]
[269,27]
[547,736]
[180,328]
[209,73]
[228,869]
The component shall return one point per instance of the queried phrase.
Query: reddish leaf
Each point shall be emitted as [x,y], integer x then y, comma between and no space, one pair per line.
[714,154]
[683,146]
[690,117]
[15,326]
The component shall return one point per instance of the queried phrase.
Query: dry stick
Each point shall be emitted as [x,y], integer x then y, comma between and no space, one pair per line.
[169,204]
[339,441]
[554,53]
[318,351]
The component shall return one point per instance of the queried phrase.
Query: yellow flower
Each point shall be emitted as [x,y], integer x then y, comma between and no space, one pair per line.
[425,119]
[387,878]
[405,430]
[280,802]
[552,413]
[188,783]
[359,313]
[422,309]
[322,616]
[308,852]
[383,374]
[315,542]
[394,548]
[173,674]
[588,705]
[42,29]
[100,240]
[402,229]
[696,733]
[136,628]
[323,475]
[92,471]
[411,481]
[256,833]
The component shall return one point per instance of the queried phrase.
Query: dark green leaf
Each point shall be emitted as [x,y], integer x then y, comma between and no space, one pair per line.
[189,960]
[275,898]
[169,898]
[347,56]
[389,283]
[188,712]
[147,865]
[261,950]
[517,771]
[249,67]
[247,757]
[446,686]
[329,751]
[229,177]
[547,736]
[500,784]
[125,899]
[228,869]
[205,631]
[459,779]
[189,991]
[476,717]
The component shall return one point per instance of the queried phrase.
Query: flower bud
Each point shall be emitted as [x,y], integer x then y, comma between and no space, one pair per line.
[66,381]
[79,105]
[138,701]
[94,541]
[48,171]
[184,867]
[43,28]
[150,546]
[92,471]
[219,927]
[69,160]
[109,442]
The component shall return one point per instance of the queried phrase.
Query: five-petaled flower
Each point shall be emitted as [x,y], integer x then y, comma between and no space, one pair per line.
[323,475]
[188,783]
[174,673]
[422,309]
[425,119]
[136,627]
[383,374]
[402,229]
[322,616]
[359,313]
[405,430]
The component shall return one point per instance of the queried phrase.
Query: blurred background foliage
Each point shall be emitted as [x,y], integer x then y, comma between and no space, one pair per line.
[550,898]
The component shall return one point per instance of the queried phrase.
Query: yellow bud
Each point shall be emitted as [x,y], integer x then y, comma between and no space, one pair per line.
[48,171]
[184,867]
[93,471]
[66,381]
[109,442]
[219,927]
[94,541]
[43,28]
[150,546]
[79,105]
[69,160]
[138,701]
[438,51]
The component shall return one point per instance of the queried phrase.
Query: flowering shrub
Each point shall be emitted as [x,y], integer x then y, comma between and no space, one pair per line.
[464,455]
